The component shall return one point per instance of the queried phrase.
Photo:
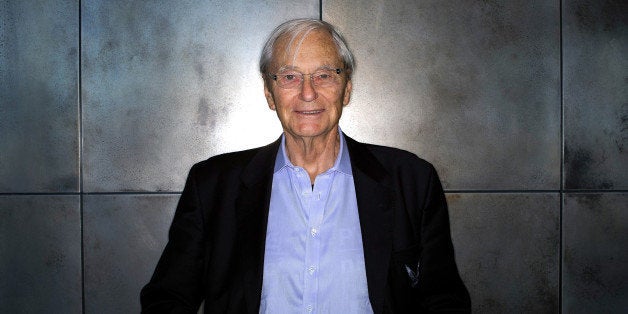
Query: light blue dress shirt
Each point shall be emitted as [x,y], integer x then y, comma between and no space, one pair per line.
[314,259]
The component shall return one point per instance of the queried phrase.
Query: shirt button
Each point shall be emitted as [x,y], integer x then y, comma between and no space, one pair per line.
[309,308]
[311,269]
[313,232]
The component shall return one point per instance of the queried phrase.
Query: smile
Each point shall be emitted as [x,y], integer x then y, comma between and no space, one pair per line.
[310,112]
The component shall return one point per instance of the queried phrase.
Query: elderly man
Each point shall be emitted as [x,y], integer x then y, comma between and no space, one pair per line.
[314,222]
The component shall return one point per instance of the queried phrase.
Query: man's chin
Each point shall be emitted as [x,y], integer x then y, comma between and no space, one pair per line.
[311,133]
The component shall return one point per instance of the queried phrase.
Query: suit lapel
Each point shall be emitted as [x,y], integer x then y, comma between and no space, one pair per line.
[252,217]
[375,201]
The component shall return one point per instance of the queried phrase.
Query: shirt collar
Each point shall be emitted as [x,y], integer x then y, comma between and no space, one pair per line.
[342,163]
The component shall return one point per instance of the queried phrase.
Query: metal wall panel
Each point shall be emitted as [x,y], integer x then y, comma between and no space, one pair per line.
[596,94]
[472,86]
[40,254]
[507,250]
[595,228]
[39,96]
[166,84]
[124,237]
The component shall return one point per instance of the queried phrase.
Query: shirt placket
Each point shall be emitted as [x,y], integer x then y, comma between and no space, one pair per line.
[313,201]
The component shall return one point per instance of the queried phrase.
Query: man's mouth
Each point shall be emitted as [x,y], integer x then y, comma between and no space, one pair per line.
[310,112]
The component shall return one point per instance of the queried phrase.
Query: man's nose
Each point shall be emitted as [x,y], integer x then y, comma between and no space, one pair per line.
[308,92]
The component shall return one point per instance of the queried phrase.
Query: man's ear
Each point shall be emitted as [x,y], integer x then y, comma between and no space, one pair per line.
[270,99]
[347,95]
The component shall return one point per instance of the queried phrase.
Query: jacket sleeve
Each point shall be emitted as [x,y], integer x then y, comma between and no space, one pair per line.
[441,288]
[177,283]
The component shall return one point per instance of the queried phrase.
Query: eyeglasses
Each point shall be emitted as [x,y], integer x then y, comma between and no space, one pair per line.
[321,78]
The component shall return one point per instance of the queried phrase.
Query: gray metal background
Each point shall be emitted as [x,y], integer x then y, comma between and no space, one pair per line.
[521,105]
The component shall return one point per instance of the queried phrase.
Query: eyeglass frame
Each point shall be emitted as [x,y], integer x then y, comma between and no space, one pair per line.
[274,76]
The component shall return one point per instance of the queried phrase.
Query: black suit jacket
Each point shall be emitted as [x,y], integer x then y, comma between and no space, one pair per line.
[216,242]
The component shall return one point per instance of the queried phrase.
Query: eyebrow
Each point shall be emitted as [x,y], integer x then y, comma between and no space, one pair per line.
[322,67]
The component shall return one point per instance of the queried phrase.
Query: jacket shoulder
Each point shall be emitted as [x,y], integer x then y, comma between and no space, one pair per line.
[393,158]
[229,160]
[256,161]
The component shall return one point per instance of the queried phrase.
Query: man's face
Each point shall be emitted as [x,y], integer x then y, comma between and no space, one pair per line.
[308,111]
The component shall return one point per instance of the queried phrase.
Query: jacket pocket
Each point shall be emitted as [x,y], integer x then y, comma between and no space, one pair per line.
[403,281]
[406,264]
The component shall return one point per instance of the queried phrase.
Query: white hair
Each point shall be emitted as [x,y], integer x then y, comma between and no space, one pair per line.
[302,27]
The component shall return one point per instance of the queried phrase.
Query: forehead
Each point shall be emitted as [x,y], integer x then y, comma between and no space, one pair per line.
[315,48]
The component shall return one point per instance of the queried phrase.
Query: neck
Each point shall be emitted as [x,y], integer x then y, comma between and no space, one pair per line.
[314,154]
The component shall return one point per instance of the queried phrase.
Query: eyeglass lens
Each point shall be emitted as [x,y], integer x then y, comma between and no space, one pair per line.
[322,78]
